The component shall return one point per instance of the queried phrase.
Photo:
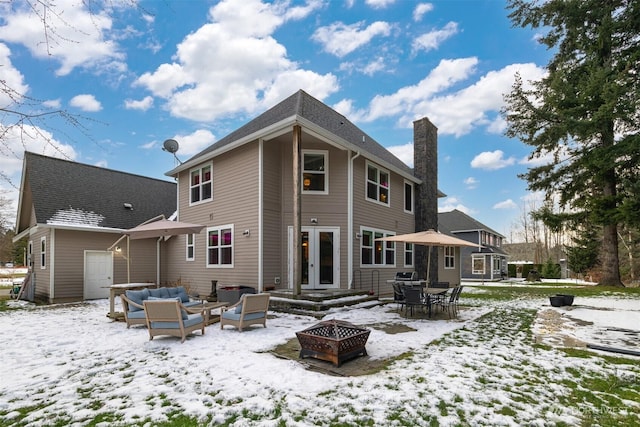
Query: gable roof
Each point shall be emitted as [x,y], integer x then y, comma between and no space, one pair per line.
[302,108]
[68,193]
[456,221]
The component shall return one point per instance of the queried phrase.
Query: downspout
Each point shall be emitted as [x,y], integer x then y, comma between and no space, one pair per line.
[52,264]
[260,216]
[350,219]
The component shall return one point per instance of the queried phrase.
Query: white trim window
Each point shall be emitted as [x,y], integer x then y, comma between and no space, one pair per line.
[408,255]
[43,252]
[477,264]
[375,252]
[220,246]
[315,171]
[200,184]
[496,264]
[408,197]
[191,247]
[377,184]
[449,257]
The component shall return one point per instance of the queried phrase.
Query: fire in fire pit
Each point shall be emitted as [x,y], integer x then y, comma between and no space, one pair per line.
[334,341]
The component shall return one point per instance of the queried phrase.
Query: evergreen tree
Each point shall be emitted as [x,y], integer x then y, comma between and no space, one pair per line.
[583,255]
[585,113]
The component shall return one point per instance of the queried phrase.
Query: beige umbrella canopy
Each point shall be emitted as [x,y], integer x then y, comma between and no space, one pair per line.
[428,238]
[162,227]
[156,228]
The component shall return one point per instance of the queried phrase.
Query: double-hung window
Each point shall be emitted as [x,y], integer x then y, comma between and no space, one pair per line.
[377,184]
[191,247]
[449,257]
[220,246]
[315,172]
[43,252]
[408,254]
[201,184]
[408,197]
[376,252]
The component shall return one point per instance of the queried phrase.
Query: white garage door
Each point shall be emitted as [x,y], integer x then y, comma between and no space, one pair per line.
[98,274]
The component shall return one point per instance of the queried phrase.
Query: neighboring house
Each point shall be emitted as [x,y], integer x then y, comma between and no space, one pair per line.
[486,262]
[351,191]
[72,213]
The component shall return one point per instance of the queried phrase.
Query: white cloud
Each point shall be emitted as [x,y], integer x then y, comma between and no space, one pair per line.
[403,152]
[456,113]
[195,142]
[432,40]
[86,102]
[53,103]
[340,39]
[450,203]
[239,82]
[67,22]
[143,104]
[101,163]
[471,182]
[420,10]
[11,77]
[491,160]
[446,73]
[505,204]
[379,4]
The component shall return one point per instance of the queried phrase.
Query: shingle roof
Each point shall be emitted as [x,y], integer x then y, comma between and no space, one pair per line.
[449,222]
[70,193]
[304,105]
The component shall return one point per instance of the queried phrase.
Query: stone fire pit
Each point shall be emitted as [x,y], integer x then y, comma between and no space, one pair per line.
[333,341]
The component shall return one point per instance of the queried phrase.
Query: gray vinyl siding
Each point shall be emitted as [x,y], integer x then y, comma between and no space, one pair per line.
[275,240]
[66,271]
[373,215]
[235,202]
[329,209]
[451,275]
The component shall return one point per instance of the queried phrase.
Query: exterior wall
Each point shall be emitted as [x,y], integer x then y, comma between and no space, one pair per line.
[41,276]
[390,218]
[65,262]
[275,240]
[235,201]
[451,275]
[329,209]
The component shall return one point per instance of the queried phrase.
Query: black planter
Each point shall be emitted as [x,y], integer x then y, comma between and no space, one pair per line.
[556,300]
[568,299]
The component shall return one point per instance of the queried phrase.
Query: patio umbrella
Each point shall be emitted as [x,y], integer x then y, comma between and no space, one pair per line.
[162,227]
[155,228]
[428,238]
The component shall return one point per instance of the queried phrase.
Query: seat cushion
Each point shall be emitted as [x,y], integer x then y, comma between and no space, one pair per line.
[138,297]
[159,292]
[137,314]
[191,320]
[230,315]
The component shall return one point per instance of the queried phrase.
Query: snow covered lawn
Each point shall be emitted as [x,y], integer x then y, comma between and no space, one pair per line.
[71,365]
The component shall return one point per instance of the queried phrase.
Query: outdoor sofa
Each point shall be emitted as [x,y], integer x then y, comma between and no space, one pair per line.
[133,301]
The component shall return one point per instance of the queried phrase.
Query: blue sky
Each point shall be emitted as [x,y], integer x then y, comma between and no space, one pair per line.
[196,70]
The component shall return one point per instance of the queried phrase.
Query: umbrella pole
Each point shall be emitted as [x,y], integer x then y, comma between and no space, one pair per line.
[428,265]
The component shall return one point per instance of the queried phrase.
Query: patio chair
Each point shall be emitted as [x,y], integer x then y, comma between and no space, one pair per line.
[451,304]
[169,317]
[251,309]
[440,299]
[413,298]
[133,312]
[398,296]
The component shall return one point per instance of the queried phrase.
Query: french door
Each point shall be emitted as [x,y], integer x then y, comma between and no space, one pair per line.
[320,257]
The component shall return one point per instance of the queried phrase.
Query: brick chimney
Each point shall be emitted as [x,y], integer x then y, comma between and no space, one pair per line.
[425,167]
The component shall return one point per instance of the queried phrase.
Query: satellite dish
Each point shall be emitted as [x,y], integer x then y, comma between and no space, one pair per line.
[170,145]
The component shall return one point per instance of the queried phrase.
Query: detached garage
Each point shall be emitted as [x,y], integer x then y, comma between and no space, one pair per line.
[71,214]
